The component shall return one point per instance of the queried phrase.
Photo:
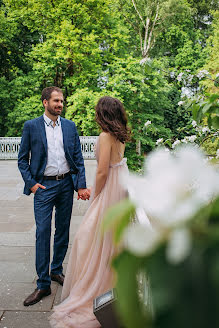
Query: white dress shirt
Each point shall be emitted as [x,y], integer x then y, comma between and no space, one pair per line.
[56,161]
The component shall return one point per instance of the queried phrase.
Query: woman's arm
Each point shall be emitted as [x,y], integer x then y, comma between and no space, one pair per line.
[105,145]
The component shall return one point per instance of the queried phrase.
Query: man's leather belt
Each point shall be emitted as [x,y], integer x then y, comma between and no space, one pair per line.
[56,177]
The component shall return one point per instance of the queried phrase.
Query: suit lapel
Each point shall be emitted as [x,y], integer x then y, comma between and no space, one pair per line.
[43,131]
[64,133]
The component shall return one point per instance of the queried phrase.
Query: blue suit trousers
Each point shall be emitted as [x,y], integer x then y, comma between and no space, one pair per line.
[58,195]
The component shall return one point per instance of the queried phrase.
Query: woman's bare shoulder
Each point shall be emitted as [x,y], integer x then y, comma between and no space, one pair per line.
[105,136]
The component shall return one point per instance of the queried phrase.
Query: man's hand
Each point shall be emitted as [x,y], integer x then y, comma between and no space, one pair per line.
[36,186]
[83,194]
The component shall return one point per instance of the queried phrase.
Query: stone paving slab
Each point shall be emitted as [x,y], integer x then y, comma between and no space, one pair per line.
[16,254]
[13,295]
[27,238]
[21,319]
[17,239]
[17,272]
[57,299]
[15,227]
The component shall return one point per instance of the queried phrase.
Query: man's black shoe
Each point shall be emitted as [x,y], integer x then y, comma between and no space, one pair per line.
[36,296]
[58,278]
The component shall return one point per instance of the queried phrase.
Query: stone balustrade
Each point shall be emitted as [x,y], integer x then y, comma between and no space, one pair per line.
[9,147]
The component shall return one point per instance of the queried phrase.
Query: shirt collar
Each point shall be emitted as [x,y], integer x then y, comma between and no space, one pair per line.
[49,122]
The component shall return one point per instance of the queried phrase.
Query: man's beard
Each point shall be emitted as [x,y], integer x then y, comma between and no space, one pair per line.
[52,111]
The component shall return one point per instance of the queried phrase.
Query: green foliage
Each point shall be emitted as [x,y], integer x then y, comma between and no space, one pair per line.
[81,109]
[62,43]
[129,306]
[176,117]
[118,217]
[27,109]
[176,289]
[208,108]
[145,97]
[185,294]
[92,48]
[212,63]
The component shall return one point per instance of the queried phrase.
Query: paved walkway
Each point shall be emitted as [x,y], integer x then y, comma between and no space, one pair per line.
[17,251]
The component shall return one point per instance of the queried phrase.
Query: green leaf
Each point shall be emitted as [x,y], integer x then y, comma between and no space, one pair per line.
[209,122]
[195,110]
[199,115]
[215,122]
[130,309]
[213,97]
[118,217]
[216,82]
[206,108]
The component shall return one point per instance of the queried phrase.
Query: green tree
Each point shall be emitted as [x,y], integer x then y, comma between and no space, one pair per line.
[212,63]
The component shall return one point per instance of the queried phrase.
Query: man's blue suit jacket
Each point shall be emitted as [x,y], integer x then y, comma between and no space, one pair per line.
[32,157]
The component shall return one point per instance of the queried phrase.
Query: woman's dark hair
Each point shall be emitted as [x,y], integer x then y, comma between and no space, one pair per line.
[46,93]
[111,117]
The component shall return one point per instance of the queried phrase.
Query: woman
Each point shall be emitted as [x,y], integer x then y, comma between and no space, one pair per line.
[89,271]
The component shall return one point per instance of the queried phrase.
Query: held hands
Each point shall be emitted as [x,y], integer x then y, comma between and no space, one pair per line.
[36,186]
[84,194]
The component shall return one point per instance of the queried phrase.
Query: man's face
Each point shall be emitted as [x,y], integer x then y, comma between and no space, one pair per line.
[55,104]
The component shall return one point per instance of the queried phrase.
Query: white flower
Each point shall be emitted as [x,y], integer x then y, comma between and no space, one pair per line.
[159,141]
[185,140]
[205,130]
[202,74]
[180,103]
[172,74]
[194,123]
[187,92]
[179,77]
[217,75]
[217,154]
[192,138]
[140,240]
[179,245]
[190,78]
[143,61]
[147,123]
[175,185]
[177,142]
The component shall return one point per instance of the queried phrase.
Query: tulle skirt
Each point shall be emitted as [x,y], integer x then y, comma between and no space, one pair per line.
[89,273]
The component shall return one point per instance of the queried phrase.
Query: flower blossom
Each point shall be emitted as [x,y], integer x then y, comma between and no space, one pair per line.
[194,123]
[179,77]
[159,141]
[175,186]
[205,129]
[147,123]
[140,240]
[177,142]
[201,74]
[179,245]
[143,61]
[192,138]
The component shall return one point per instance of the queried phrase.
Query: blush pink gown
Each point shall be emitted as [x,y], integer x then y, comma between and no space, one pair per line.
[89,272]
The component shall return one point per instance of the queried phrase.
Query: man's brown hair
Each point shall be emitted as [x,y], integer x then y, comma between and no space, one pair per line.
[46,93]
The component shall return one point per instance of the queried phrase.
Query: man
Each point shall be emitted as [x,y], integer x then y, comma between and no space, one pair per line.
[49,157]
